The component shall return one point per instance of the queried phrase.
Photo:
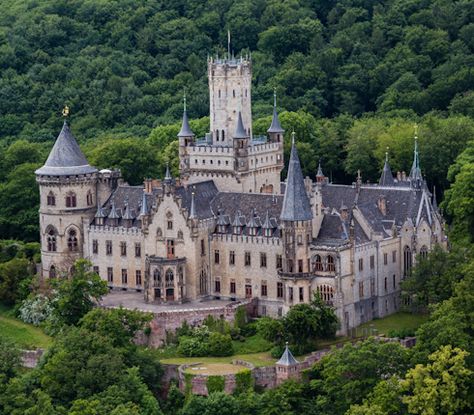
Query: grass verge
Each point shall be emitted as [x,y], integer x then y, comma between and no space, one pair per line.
[397,321]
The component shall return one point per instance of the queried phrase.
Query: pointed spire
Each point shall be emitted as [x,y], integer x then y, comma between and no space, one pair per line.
[415,172]
[386,179]
[127,214]
[320,170]
[275,126]
[192,209]
[267,224]
[113,214]
[66,157]
[185,127]
[287,358]
[168,177]
[144,207]
[240,130]
[296,204]
[100,214]
[434,202]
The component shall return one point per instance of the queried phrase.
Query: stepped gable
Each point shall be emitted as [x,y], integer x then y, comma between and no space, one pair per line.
[66,157]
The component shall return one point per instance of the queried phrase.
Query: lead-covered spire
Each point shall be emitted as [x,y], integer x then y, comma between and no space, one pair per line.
[240,130]
[275,126]
[415,172]
[386,179]
[185,127]
[296,204]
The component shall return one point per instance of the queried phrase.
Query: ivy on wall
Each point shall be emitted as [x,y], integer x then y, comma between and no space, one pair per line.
[215,384]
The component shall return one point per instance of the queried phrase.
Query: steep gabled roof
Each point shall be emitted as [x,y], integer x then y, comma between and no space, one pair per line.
[296,204]
[66,157]
[240,130]
[386,179]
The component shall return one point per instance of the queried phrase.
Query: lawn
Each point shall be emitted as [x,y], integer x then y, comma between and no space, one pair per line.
[257,359]
[395,321]
[24,335]
[215,369]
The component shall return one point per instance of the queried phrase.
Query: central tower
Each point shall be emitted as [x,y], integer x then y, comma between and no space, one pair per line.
[230,81]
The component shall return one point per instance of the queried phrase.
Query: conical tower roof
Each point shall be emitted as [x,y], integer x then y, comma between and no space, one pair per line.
[192,209]
[296,204]
[144,206]
[113,214]
[275,126]
[100,212]
[240,130]
[66,157]
[287,358]
[386,179]
[185,127]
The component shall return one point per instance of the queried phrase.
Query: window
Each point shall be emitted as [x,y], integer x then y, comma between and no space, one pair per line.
[110,274]
[108,247]
[72,240]
[156,278]
[331,265]
[264,289]
[361,264]
[424,252]
[51,199]
[71,199]
[279,261]
[301,294]
[138,249]
[232,258]
[361,289]
[290,293]
[247,259]
[299,240]
[170,248]
[222,135]
[51,239]
[203,282]
[203,250]
[52,272]
[300,265]
[138,277]
[394,256]
[290,265]
[124,276]
[96,269]
[326,292]
[372,288]
[318,263]
[89,200]
[216,257]
[279,290]
[169,278]
[385,284]
[95,246]
[123,248]
[217,286]
[170,225]
[407,260]
[248,289]
[394,280]
[232,286]
[263,260]
[372,262]
[385,258]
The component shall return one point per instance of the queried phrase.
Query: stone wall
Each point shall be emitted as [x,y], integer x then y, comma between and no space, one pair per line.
[30,358]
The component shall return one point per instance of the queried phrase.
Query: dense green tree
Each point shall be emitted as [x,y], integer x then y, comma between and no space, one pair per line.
[10,360]
[15,275]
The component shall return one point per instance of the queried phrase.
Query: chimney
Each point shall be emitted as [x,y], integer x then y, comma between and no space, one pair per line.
[404,176]
[399,176]
[147,185]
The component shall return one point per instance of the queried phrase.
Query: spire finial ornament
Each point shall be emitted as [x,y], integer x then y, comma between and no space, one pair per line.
[274,97]
[184,100]
[386,154]
[293,137]
[65,111]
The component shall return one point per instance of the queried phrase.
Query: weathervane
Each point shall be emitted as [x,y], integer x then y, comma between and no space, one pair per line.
[65,111]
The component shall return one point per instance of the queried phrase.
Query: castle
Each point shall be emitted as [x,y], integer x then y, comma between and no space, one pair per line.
[228,228]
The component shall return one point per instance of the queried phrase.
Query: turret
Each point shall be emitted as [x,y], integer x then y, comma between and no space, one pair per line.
[68,199]
[386,179]
[241,139]
[296,218]
[275,131]
[415,176]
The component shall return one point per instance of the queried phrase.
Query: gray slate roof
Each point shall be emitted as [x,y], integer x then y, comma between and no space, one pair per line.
[386,179]
[287,358]
[240,130]
[185,127]
[275,126]
[296,204]
[66,157]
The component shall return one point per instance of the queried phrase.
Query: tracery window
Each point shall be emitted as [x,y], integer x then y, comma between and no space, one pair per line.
[51,240]
[72,243]
[326,292]
[424,252]
[71,200]
[318,263]
[407,260]
[331,266]
[169,278]
[51,199]
[156,277]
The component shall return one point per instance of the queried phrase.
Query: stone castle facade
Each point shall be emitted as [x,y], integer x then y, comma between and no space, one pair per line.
[228,228]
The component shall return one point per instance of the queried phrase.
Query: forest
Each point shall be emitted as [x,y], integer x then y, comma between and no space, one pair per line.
[352,77]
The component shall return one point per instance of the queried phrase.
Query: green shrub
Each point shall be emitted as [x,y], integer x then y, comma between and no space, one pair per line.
[277,351]
[270,329]
[188,387]
[240,318]
[244,381]
[250,329]
[220,345]
[215,384]
[184,330]
[193,347]
[401,333]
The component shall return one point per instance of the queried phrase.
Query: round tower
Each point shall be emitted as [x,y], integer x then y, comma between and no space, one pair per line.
[68,202]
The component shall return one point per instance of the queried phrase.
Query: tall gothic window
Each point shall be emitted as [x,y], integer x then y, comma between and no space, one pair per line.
[156,277]
[203,282]
[71,200]
[51,239]
[169,278]
[51,199]
[72,243]
[424,252]
[407,260]
[89,198]
[318,263]
[331,264]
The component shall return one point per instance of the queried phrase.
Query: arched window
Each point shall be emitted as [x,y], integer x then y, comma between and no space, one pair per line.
[203,282]
[52,272]
[180,275]
[72,240]
[222,135]
[156,277]
[424,252]
[326,292]
[318,263]
[51,240]
[169,278]
[89,198]
[71,199]
[51,199]
[407,260]
[331,264]
[233,93]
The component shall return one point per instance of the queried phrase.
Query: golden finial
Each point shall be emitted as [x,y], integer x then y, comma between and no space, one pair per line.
[65,111]
[386,153]
[416,130]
